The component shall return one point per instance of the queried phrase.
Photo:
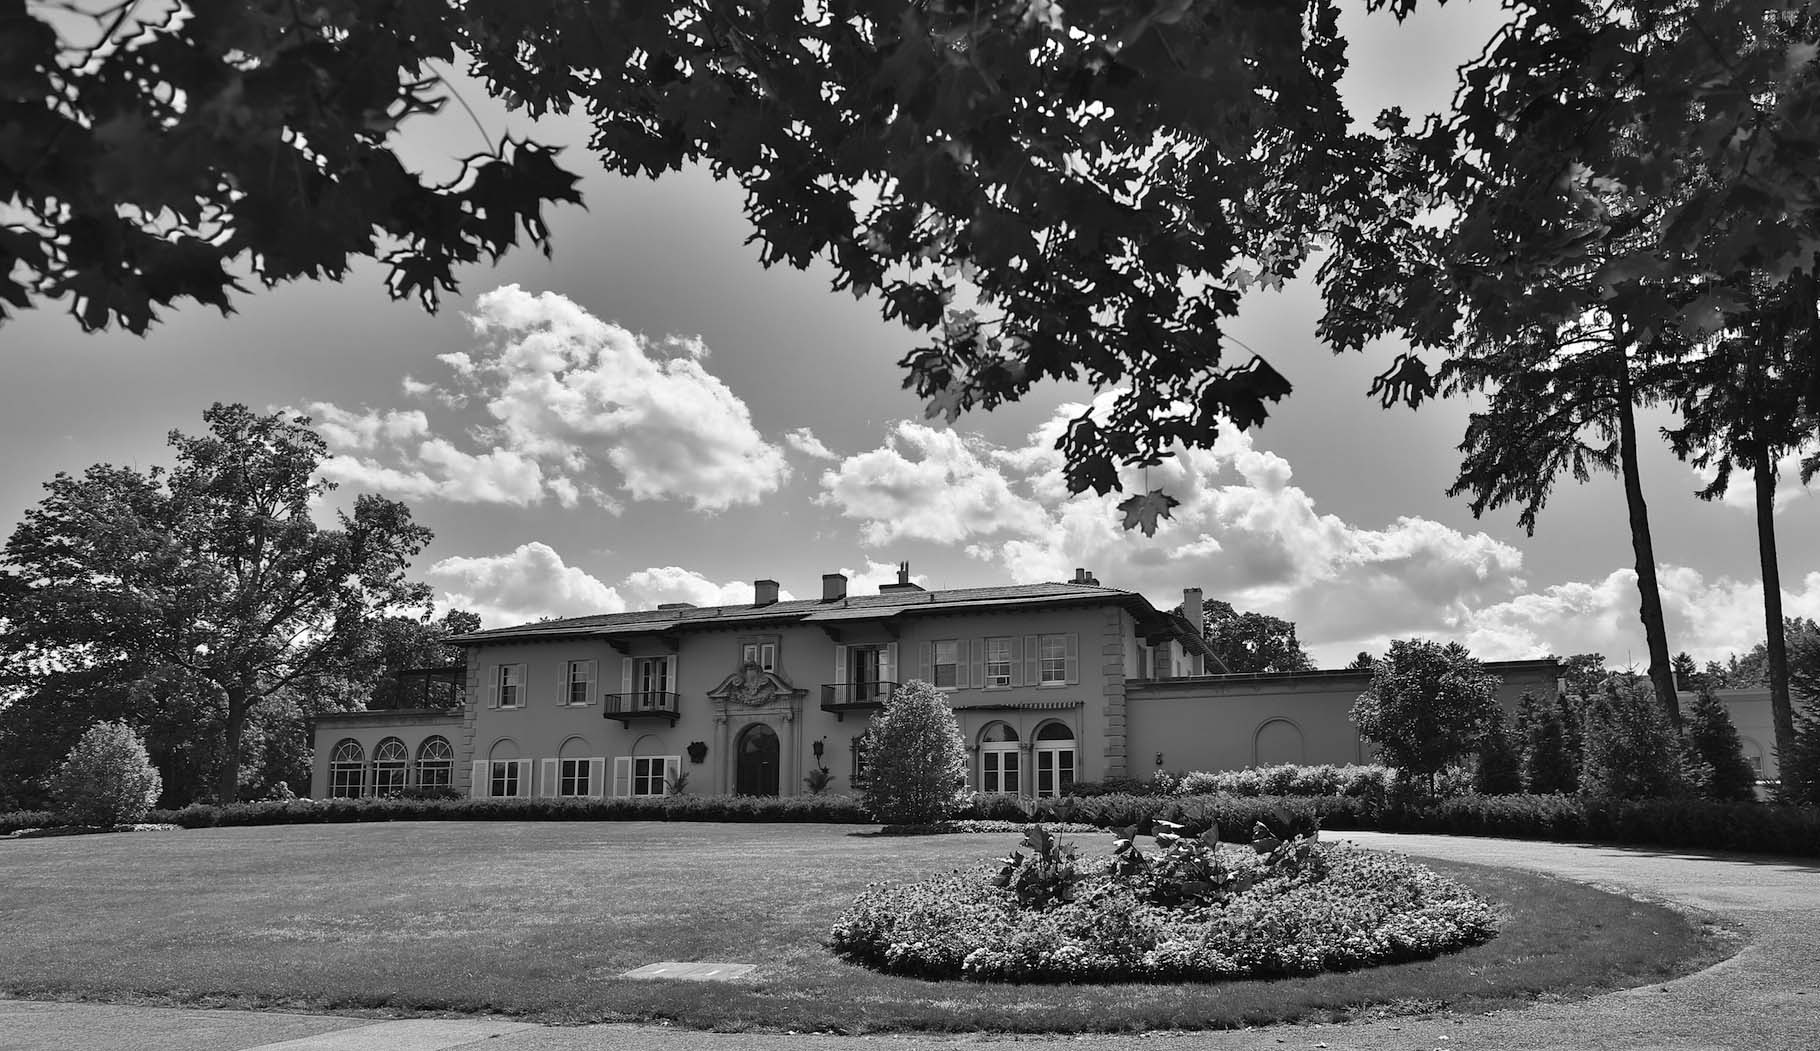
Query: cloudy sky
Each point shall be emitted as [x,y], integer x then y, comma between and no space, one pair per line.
[650,416]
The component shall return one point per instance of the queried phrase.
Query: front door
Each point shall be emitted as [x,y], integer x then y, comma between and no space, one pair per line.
[757,773]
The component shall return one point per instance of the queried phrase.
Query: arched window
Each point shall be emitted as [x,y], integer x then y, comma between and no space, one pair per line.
[577,773]
[391,761]
[999,759]
[1054,759]
[508,777]
[347,769]
[435,763]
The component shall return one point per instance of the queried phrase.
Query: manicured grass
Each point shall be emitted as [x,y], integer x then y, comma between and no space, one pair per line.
[538,920]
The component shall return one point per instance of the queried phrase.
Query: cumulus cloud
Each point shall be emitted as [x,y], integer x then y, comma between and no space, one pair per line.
[1741,493]
[804,441]
[659,584]
[575,407]
[526,584]
[928,484]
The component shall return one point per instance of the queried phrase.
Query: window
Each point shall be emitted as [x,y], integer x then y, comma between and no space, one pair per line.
[947,657]
[761,651]
[860,766]
[574,779]
[347,769]
[435,763]
[650,682]
[508,686]
[502,780]
[391,761]
[1052,660]
[998,662]
[648,776]
[999,759]
[579,683]
[1054,760]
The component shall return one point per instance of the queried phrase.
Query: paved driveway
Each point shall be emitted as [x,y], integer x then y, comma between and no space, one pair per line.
[1767,998]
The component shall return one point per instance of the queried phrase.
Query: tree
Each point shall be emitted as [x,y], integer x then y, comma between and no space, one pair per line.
[1630,750]
[1251,642]
[211,581]
[107,778]
[1799,768]
[1687,673]
[1500,768]
[1584,672]
[1713,738]
[1549,763]
[1426,706]
[1362,662]
[916,758]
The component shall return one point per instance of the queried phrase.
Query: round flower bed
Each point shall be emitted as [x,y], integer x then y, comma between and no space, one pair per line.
[1341,909]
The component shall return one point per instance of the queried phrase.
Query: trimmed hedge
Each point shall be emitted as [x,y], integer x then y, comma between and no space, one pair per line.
[1372,781]
[1680,823]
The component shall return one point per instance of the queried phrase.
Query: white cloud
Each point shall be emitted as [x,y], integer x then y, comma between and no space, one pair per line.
[804,441]
[927,484]
[658,584]
[529,583]
[574,407]
[868,580]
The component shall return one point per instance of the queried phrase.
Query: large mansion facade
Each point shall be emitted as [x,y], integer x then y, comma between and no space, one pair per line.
[1051,683]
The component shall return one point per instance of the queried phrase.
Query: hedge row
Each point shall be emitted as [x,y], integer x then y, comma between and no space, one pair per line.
[1694,824]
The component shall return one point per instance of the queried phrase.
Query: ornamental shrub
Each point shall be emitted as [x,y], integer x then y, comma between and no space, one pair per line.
[107,778]
[917,758]
[1711,735]
[1426,706]
[1629,749]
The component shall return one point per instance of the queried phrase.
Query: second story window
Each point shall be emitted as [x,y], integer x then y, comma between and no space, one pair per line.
[998,662]
[650,681]
[579,683]
[759,651]
[508,686]
[1052,659]
[947,662]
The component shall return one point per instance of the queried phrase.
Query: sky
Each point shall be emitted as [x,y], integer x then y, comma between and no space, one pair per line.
[651,416]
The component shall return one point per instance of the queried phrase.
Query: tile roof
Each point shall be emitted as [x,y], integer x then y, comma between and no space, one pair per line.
[853,607]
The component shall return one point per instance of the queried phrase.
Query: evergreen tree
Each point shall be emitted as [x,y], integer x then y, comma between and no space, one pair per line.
[1500,770]
[107,778]
[1548,763]
[1800,766]
[917,758]
[1630,750]
[1573,735]
[1712,737]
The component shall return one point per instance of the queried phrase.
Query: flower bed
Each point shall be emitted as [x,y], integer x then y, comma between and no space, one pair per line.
[1341,908]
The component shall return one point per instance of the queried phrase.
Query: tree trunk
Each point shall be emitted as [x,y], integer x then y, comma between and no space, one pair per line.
[227,788]
[1661,668]
[1776,644]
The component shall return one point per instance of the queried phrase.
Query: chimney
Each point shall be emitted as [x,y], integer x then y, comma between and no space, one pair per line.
[903,581]
[764,592]
[834,587]
[1081,576]
[1191,608]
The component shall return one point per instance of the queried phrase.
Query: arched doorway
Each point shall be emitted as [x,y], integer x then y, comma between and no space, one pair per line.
[757,771]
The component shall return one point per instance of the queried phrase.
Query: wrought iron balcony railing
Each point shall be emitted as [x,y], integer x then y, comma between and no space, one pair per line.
[845,697]
[648,704]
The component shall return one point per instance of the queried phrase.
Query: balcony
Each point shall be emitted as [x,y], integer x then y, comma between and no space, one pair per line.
[649,705]
[844,697]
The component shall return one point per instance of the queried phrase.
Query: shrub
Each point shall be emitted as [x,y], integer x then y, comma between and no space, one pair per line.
[18,820]
[1548,758]
[1426,706]
[1500,767]
[917,758]
[1630,751]
[1367,781]
[107,779]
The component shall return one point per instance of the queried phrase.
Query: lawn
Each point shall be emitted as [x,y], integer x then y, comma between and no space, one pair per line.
[537,920]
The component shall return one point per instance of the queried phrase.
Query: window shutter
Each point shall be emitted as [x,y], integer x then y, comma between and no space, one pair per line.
[525,769]
[670,674]
[477,788]
[597,778]
[840,666]
[979,662]
[625,675]
[1016,646]
[593,680]
[1033,673]
[622,776]
[961,664]
[887,663]
[925,662]
[1073,656]
[552,785]
[672,767]
[492,686]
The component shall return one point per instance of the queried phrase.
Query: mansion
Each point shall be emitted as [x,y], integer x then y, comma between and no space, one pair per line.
[1051,683]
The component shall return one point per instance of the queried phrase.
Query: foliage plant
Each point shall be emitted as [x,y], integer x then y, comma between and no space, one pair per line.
[107,779]
[1548,759]
[918,759]
[818,780]
[1500,767]
[1713,738]
[1048,876]
[1426,706]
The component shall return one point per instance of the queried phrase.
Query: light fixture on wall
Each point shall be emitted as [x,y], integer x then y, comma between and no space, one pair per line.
[818,748]
[1159,759]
